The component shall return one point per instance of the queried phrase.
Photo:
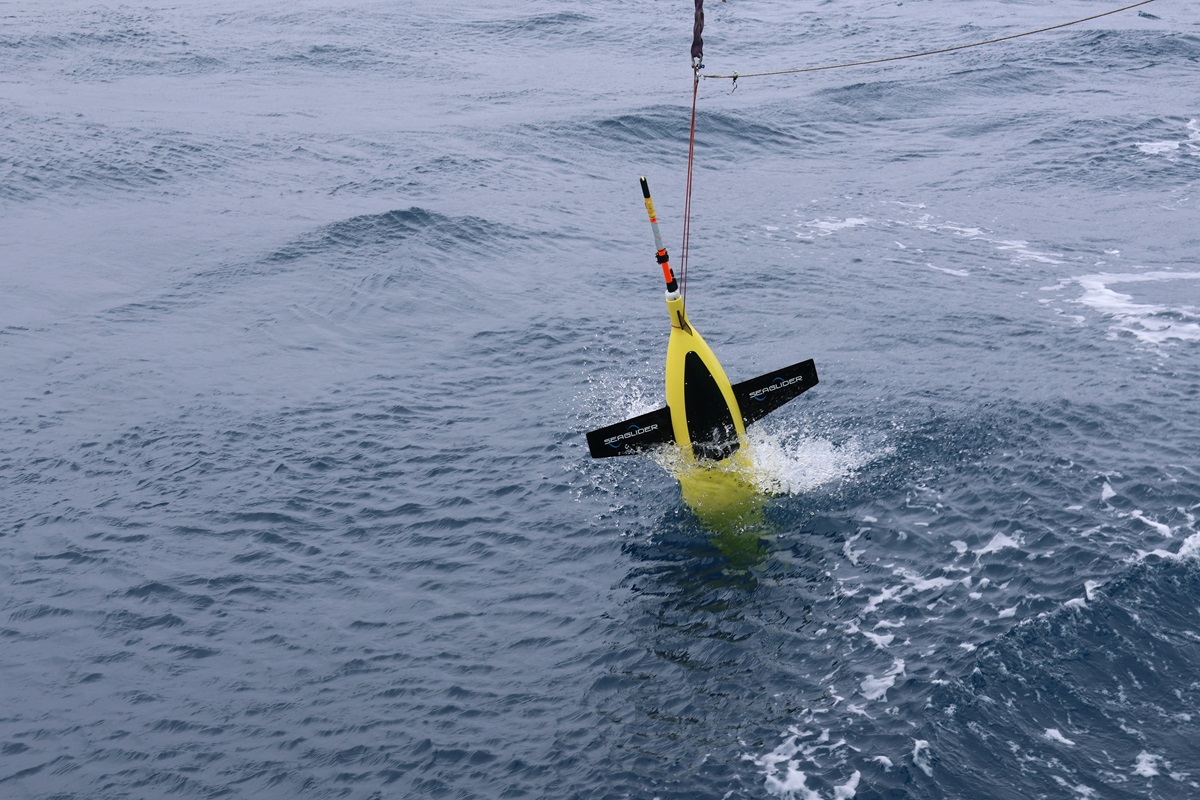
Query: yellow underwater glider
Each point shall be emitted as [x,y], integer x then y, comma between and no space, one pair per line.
[705,415]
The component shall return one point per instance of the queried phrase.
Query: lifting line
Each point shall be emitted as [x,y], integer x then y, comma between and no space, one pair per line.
[697,65]
[734,77]
[687,202]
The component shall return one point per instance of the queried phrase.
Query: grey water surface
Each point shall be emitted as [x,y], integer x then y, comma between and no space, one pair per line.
[307,306]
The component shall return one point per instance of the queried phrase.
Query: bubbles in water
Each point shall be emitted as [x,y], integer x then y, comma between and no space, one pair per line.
[792,460]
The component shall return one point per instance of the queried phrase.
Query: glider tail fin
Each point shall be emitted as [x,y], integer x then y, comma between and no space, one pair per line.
[632,435]
[760,396]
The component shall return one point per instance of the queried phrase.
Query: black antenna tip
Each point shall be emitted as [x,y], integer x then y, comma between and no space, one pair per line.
[645,188]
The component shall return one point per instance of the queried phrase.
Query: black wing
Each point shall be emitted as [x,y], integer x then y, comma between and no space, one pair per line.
[760,396]
[632,435]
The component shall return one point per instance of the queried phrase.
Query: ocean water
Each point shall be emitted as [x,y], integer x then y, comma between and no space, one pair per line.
[307,307]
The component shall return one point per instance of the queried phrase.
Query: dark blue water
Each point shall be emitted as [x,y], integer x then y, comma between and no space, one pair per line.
[306,308]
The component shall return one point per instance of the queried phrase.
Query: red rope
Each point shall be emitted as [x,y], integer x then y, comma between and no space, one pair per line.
[687,203]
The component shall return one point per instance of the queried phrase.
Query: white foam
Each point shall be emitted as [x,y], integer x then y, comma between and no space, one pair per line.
[791,462]
[1054,735]
[848,789]
[782,756]
[787,462]
[921,756]
[827,227]
[887,594]
[1172,149]
[848,550]
[999,542]
[1149,323]
[784,776]
[1164,530]
[1190,549]
[920,584]
[1018,250]
[1081,791]
[794,783]
[1021,251]
[874,688]
[1107,493]
[958,273]
[1147,765]
[1157,148]
[881,640]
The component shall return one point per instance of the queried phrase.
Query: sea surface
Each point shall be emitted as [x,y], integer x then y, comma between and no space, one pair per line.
[305,308]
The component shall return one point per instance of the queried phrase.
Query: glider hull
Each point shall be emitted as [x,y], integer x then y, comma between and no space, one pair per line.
[705,415]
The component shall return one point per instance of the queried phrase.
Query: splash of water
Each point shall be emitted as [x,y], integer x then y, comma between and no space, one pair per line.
[792,460]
